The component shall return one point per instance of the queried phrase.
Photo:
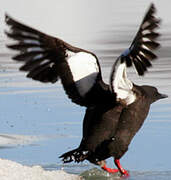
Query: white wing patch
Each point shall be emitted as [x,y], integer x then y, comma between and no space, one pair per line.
[123,86]
[84,70]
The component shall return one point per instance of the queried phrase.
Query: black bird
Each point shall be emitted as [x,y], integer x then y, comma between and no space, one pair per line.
[114,112]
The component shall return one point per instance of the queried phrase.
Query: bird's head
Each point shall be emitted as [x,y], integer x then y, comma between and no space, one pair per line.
[153,94]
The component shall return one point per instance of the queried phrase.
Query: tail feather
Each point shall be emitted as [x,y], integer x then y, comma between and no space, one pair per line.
[76,155]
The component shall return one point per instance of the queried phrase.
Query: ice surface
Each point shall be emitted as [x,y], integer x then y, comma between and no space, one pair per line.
[97,174]
[10,170]
[7,140]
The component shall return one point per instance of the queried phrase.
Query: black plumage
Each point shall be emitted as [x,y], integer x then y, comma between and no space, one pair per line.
[115,112]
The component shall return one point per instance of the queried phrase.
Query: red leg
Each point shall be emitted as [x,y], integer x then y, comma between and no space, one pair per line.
[121,169]
[109,170]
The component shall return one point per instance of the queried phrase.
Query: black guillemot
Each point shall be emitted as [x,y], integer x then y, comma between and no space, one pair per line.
[114,111]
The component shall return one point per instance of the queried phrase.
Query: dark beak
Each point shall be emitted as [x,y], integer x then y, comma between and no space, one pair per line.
[161,96]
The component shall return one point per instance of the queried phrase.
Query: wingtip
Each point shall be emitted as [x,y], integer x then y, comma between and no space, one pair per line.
[152,7]
[7,18]
[145,42]
[6,15]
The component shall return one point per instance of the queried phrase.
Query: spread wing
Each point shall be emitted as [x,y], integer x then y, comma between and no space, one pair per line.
[139,54]
[47,59]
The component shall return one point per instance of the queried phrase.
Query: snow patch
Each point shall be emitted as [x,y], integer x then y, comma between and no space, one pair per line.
[10,170]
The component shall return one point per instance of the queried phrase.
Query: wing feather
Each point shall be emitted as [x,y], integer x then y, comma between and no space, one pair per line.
[139,54]
[47,59]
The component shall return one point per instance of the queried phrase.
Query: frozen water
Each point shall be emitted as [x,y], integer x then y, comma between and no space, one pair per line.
[10,170]
[9,140]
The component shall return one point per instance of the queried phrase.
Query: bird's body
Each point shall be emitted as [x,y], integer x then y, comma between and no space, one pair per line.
[109,128]
[114,112]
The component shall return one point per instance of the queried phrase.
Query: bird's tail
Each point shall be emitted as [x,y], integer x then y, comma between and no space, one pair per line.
[76,155]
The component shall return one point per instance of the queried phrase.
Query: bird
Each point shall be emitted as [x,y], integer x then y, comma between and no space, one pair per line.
[115,111]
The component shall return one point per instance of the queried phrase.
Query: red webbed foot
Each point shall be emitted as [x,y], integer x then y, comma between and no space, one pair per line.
[105,168]
[109,170]
[123,172]
[120,169]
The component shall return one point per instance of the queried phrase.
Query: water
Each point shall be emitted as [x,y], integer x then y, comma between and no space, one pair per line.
[38,121]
